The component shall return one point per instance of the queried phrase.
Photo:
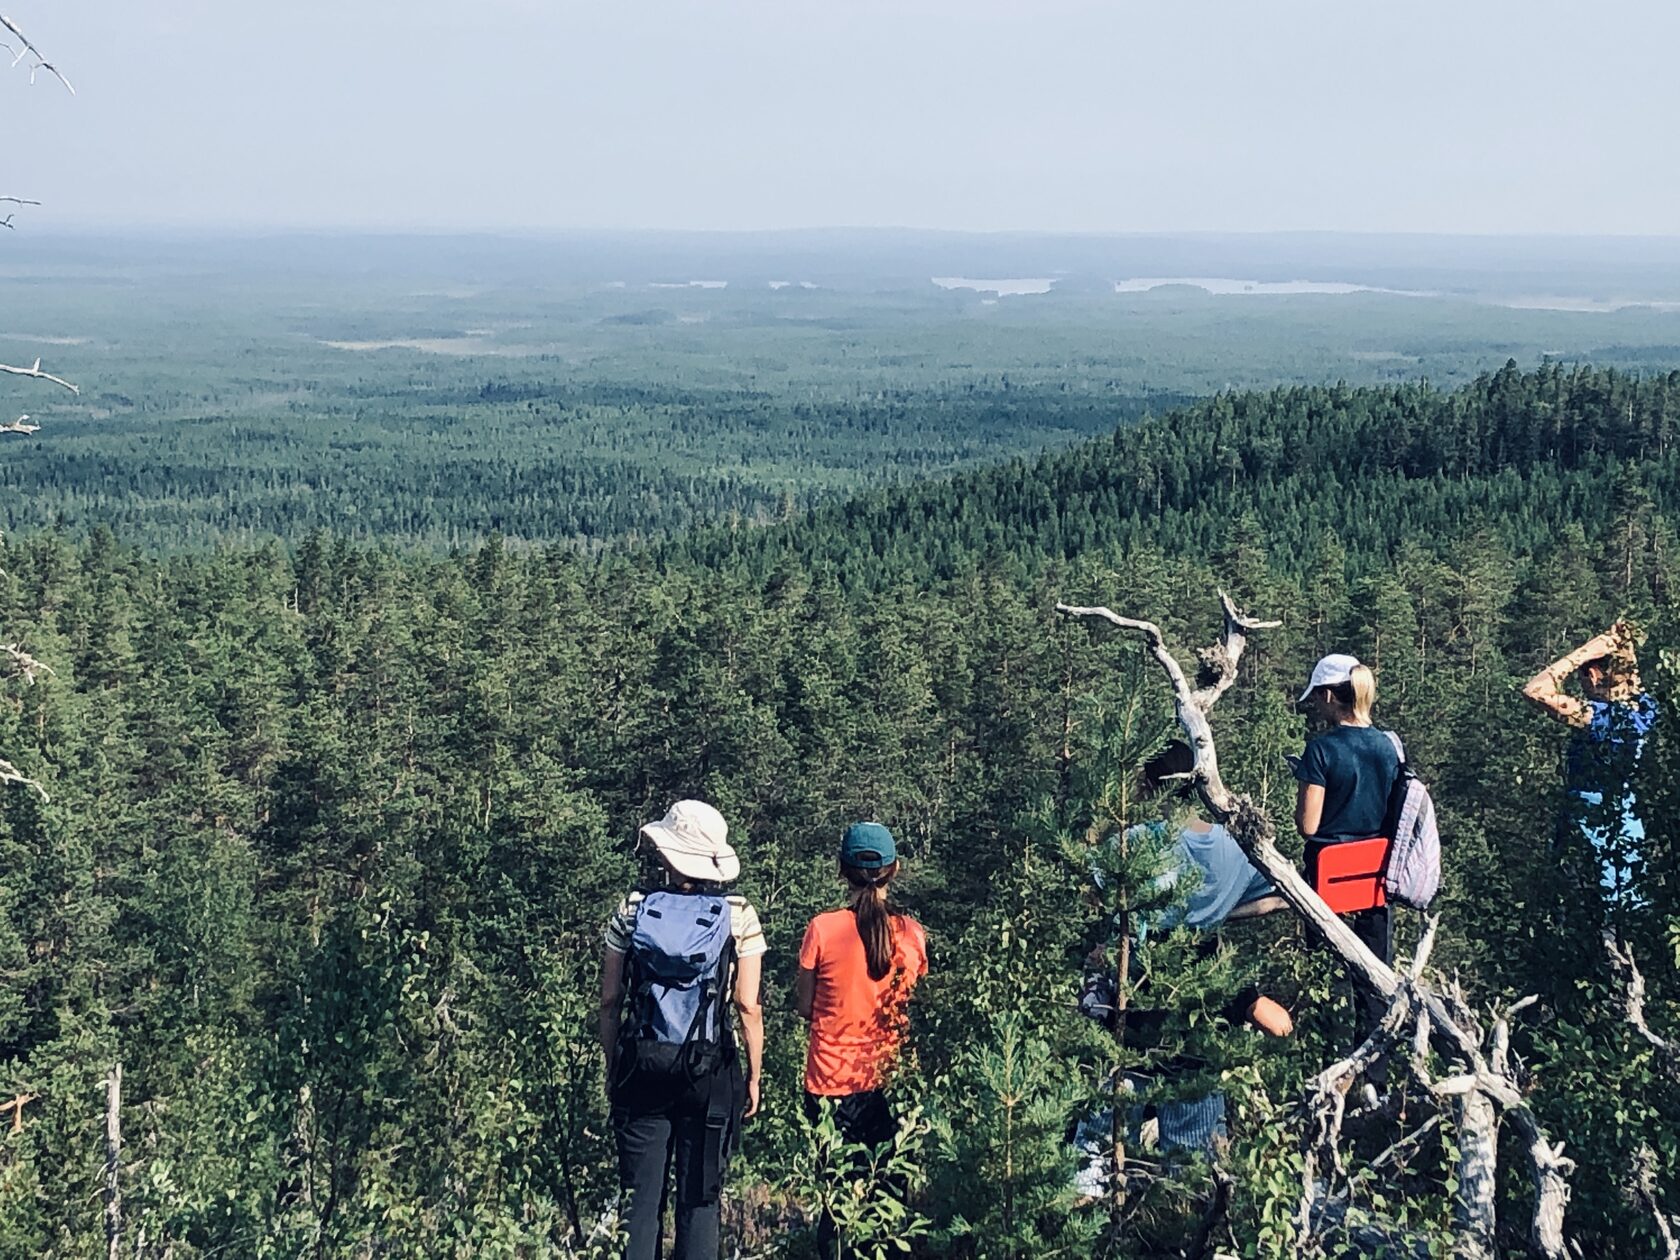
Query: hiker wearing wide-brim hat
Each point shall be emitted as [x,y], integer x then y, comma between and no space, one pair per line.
[675,956]
[693,840]
[856,969]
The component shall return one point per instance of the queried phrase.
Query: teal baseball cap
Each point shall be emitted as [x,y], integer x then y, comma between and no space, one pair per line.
[868,846]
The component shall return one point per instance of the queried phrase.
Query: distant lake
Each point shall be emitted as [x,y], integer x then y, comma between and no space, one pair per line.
[1224,285]
[1003,288]
[1590,306]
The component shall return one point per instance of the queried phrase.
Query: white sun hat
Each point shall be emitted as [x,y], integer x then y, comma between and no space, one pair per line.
[1331,671]
[694,839]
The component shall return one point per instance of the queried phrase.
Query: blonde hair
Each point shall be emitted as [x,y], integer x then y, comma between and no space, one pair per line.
[1358,696]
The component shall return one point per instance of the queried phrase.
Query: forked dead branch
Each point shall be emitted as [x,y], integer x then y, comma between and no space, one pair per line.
[23,50]
[25,664]
[1481,1087]
[35,373]
[11,774]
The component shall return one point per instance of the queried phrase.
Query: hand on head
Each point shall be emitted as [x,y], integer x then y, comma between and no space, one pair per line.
[1621,639]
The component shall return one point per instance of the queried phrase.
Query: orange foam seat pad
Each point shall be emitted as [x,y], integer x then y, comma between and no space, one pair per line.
[1349,876]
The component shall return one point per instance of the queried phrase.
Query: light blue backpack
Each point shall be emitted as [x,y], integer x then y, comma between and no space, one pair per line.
[682,955]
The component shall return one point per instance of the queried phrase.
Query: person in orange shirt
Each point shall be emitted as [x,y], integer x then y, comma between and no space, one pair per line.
[857,967]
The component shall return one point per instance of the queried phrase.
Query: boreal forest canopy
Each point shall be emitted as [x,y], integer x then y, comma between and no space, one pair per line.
[327,831]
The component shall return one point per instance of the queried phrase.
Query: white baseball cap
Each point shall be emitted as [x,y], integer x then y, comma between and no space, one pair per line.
[1331,671]
[694,839]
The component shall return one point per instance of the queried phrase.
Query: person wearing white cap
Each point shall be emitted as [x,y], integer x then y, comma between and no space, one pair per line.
[674,1076]
[1345,775]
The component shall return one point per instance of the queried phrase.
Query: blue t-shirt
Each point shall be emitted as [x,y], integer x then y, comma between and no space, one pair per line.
[1210,868]
[1355,765]
[1227,879]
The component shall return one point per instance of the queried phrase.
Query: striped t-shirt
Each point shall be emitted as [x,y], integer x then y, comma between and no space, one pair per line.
[743,925]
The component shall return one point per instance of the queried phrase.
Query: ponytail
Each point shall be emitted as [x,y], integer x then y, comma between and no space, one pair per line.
[1364,687]
[874,916]
[1358,696]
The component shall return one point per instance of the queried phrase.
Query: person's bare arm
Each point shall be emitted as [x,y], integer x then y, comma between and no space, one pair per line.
[1259,906]
[612,997]
[1309,808]
[749,973]
[805,993]
[1546,688]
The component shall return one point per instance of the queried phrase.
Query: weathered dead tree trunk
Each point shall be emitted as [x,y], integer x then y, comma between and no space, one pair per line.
[1642,1187]
[1627,971]
[1441,1019]
[113,1163]
[1645,1190]
[1478,1176]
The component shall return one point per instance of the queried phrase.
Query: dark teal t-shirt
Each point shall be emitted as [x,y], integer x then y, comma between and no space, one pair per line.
[1355,765]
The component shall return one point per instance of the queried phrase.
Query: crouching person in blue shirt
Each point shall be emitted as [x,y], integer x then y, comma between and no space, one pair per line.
[1214,883]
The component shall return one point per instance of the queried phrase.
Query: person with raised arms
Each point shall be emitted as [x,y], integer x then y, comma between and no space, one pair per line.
[1610,728]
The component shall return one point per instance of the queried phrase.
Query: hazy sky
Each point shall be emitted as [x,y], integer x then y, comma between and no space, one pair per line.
[1472,116]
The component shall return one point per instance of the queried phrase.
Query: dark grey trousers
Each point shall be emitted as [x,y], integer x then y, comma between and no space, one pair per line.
[688,1131]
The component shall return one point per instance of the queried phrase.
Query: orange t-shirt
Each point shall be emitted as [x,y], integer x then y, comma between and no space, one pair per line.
[856,1022]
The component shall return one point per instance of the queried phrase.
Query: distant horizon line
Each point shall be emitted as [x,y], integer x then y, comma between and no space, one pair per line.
[45,226]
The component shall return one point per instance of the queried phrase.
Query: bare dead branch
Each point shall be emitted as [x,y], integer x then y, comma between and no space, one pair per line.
[26,665]
[1500,1042]
[1475,1220]
[1219,662]
[26,51]
[16,1107]
[1405,1142]
[1425,947]
[1550,1170]
[14,201]
[1622,963]
[35,373]
[11,774]
[1191,715]
[1327,1105]
[1644,1189]
[1420,1047]
[20,425]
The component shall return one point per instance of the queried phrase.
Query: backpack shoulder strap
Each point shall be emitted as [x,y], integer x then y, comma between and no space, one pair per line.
[722,995]
[1399,748]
